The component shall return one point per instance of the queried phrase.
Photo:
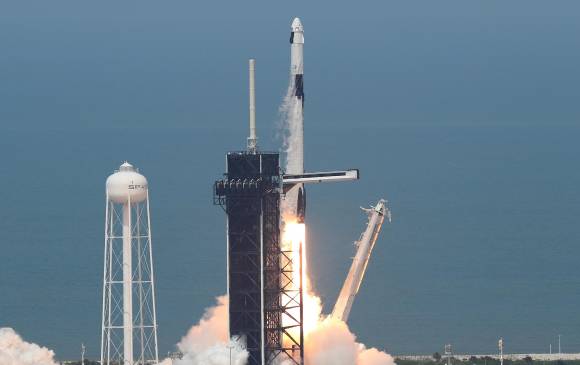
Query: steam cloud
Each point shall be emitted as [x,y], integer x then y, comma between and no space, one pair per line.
[15,351]
[290,110]
[291,141]
[207,342]
[331,342]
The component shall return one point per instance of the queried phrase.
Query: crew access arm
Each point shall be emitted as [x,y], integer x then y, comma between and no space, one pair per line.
[357,270]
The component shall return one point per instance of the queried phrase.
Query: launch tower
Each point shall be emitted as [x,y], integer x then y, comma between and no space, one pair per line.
[265,296]
[259,290]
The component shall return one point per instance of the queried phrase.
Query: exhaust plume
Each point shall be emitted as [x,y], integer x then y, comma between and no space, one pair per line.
[15,351]
[207,342]
[291,123]
[327,340]
[331,342]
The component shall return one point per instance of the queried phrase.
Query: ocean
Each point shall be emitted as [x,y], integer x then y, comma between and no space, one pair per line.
[484,240]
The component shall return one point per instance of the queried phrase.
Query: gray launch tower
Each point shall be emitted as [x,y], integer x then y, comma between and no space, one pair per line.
[250,194]
[259,290]
[265,302]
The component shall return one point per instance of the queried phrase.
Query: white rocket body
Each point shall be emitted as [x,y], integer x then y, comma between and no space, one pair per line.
[296,197]
[357,270]
[296,155]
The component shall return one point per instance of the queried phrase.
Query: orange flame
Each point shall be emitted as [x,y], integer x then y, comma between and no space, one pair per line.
[293,237]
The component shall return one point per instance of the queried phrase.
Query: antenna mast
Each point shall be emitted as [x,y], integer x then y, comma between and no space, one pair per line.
[252,140]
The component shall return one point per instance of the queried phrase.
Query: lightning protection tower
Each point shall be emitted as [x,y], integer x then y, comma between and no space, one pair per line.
[129,328]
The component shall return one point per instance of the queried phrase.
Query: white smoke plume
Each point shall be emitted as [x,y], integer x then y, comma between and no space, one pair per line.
[290,115]
[15,351]
[207,342]
[331,342]
[292,141]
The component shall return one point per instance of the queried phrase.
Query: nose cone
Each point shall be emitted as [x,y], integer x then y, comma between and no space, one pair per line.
[297,25]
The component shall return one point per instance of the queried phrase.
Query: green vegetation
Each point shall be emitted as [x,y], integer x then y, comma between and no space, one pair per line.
[437,359]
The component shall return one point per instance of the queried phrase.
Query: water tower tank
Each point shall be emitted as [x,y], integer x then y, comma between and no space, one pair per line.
[127,184]
[129,328]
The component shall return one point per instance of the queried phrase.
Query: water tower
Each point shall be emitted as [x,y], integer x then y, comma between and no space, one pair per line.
[129,327]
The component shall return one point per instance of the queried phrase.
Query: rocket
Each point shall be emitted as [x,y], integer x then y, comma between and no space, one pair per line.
[297,58]
[294,176]
[295,156]
[376,217]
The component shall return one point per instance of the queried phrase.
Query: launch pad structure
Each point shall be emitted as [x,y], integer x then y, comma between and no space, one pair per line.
[265,303]
[262,293]
[260,287]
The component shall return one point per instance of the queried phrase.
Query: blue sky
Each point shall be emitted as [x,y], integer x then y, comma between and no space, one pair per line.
[97,65]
